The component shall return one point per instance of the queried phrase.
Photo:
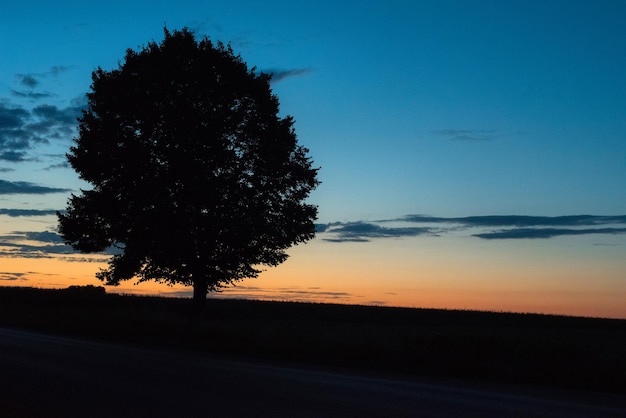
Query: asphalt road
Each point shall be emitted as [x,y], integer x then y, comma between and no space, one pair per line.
[48,376]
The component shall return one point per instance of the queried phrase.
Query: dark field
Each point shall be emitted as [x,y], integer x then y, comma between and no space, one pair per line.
[542,350]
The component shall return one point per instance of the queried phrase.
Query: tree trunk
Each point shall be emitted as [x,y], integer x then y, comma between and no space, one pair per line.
[200,290]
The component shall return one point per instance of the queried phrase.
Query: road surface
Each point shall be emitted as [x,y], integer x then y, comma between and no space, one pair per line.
[49,376]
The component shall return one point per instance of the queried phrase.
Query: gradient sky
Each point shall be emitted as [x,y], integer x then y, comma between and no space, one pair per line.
[460,143]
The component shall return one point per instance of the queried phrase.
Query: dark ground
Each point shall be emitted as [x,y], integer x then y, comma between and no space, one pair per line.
[44,375]
[539,350]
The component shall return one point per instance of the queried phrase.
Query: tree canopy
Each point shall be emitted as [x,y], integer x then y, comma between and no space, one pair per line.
[196,178]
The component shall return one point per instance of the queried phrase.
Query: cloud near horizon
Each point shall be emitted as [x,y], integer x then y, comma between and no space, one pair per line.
[48,244]
[24,187]
[12,276]
[365,231]
[292,294]
[29,244]
[546,232]
[14,213]
[42,244]
[492,227]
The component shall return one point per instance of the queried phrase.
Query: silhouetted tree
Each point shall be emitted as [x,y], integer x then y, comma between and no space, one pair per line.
[196,179]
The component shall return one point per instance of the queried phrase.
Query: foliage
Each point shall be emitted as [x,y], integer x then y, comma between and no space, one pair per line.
[196,178]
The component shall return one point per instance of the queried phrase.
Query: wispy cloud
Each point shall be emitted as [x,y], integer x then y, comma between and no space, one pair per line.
[12,276]
[535,233]
[365,231]
[519,220]
[468,134]
[531,227]
[31,94]
[14,156]
[42,236]
[63,164]
[21,129]
[27,212]
[279,75]
[28,244]
[484,227]
[55,70]
[44,244]
[32,80]
[292,294]
[24,187]
[24,127]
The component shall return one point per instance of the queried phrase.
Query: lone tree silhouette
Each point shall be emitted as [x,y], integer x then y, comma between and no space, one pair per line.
[196,179]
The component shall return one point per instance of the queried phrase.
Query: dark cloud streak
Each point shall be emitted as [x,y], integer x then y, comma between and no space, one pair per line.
[12,277]
[44,236]
[14,213]
[31,95]
[39,244]
[24,187]
[364,231]
[283,294]
[542,233]
[55,70]
[14,156]
[508,227]
[476,135]
[64,164]
[279,75]
[31,80]
[519,220]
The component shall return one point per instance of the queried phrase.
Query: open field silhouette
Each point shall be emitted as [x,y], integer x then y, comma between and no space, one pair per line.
[543,350]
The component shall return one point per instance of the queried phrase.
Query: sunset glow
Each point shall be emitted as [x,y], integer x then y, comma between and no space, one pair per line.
[472,155]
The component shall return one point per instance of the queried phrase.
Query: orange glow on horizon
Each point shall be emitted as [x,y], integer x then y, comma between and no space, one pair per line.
[442,274]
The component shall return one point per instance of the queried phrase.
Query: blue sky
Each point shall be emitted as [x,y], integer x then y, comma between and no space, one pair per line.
[448,109]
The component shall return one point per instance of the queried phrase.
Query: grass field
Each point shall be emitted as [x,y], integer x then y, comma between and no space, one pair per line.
[555,351]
